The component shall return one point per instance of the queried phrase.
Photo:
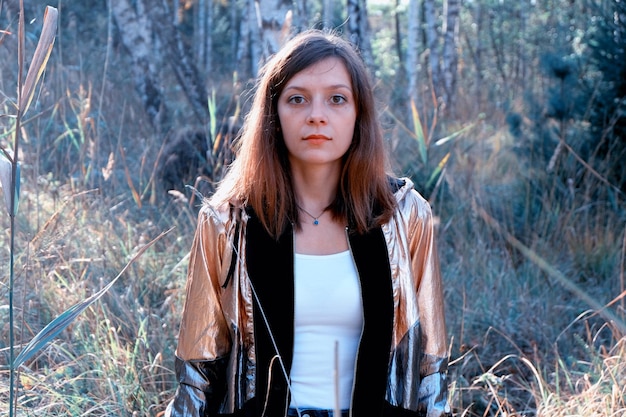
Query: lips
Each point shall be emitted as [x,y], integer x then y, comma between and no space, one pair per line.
[316,137]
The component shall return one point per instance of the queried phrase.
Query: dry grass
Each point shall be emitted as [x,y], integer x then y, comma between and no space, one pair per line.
[521,344]
[527,337]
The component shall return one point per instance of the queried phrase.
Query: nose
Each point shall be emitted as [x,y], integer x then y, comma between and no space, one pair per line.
[317,112]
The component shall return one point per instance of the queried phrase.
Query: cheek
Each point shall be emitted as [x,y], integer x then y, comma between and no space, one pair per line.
[350,131]
[286,127]
[283,117]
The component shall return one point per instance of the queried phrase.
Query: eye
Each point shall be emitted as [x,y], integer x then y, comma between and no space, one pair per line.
[338,99]
[295,100]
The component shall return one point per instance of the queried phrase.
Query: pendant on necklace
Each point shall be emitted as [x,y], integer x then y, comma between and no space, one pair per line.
[316,220]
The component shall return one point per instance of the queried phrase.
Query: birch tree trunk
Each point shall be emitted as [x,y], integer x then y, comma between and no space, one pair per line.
[235,31]
[136,34]
[246,53]
[177,55]
[266,25]
[450,32]
[477,51]
[275,21]
[255,34]
[443,66]
[432,42]
[152,38]
[358,29]
[202,35]
[412,55]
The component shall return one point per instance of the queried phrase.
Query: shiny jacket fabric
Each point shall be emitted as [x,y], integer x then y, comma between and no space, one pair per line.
[240,285]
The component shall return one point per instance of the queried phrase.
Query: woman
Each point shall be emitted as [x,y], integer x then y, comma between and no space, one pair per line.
[313,282]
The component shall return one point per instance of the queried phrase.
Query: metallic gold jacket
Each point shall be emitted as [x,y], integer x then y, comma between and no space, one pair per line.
[236,336]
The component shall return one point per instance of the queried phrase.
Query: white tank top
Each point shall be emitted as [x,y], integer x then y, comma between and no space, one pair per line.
[328,313]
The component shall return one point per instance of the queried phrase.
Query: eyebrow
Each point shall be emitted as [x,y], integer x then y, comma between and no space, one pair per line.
[330,87]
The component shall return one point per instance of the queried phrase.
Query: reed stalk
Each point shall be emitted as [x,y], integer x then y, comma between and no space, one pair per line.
[25,93]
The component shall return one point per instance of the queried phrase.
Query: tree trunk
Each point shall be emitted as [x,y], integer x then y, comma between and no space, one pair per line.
[255,36]
[177,55]
[358,30]
[412,55]
[398,31]
[151,37]
[450,55]
[265,27]
[202,35]
[247,57]
[275,18]
[235,31]
[498,45]
[432,42]
[136,34]
[477,52]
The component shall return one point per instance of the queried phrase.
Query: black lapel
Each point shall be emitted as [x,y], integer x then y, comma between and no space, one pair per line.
[270,265]
[372,262]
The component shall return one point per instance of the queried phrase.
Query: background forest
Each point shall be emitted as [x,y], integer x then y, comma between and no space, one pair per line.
[510,116]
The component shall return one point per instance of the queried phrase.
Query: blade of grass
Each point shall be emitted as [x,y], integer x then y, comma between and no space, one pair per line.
[25,93]
[454,134]
[419,133]
[40,57]
[212,103]
[438,170]
[129,179]
[11,205]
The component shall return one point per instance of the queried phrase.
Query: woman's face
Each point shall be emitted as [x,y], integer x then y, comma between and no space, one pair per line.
[317,114]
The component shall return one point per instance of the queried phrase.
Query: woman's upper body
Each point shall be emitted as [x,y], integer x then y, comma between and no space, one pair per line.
[402,359]
[311,179]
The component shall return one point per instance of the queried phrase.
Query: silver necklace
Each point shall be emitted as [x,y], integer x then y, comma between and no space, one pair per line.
[316,220]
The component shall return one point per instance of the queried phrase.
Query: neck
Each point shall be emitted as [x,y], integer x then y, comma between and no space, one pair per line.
[315,190]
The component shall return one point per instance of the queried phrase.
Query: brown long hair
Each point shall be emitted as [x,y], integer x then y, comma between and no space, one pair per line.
[260,175]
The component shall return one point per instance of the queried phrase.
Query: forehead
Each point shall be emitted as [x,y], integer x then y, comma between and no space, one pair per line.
[331,70]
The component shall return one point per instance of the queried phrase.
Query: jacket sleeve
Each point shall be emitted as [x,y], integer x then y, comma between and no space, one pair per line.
[433,389]
[204,341]
[200,385]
